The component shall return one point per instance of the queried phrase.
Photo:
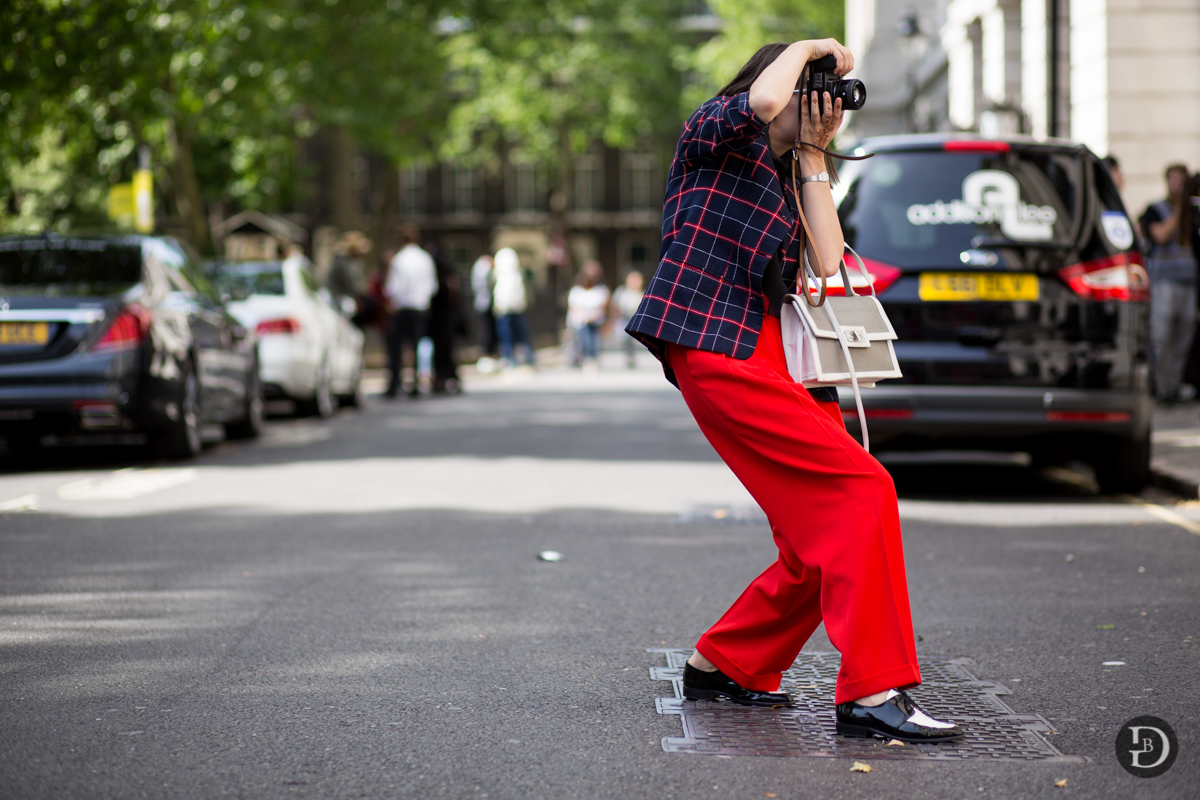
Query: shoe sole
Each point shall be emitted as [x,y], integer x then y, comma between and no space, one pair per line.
[861,731]
[714,694]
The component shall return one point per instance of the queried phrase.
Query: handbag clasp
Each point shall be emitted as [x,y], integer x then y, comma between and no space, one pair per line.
[855,336]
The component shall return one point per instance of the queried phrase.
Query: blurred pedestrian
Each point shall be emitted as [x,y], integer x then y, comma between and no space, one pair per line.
[482,281]
[348,275]
[411,284]
[445,325]
[1114,170]
[626,300]
[509,304]
[1189,227]
[587,309]
[1172,269]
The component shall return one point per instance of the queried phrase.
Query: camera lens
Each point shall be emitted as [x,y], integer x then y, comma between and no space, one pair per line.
[855,95]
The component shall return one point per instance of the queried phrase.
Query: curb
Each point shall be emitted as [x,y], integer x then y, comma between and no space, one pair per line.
[1175,484]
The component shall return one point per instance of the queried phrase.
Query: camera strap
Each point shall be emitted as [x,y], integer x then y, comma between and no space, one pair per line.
[806,238]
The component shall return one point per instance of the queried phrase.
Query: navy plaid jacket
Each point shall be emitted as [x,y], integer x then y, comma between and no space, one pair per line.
[724,217]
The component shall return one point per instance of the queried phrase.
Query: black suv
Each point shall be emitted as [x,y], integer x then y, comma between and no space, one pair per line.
[117,339]
[1014,280]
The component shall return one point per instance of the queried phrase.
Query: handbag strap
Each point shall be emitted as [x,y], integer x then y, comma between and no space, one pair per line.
[841,337]
[806,235]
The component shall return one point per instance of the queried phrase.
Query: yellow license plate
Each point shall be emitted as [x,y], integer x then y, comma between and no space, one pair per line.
[24,333]
[978,286]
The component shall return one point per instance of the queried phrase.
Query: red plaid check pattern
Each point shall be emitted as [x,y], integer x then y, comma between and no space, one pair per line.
[724,216]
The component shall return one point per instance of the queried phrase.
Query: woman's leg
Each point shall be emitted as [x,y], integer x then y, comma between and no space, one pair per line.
[504,333]
[576,349]
[521,334]
[593,340]
[834,516]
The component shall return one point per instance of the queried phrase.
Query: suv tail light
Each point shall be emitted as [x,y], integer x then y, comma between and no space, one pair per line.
[975,146]
[283,325]
[882,276]
[1121,277]
[126,331]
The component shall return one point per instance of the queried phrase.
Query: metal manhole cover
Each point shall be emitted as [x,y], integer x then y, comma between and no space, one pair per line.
[993,730]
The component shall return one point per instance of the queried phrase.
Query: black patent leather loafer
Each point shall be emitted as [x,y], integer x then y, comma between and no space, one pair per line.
[701,685]
[890,720]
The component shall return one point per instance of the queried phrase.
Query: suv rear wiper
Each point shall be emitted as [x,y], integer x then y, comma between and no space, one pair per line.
[1000,241]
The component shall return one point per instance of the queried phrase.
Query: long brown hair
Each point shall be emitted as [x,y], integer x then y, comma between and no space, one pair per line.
[1189,214]
[750,71]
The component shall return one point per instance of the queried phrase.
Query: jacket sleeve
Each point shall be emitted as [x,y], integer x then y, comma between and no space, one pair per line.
[720,126]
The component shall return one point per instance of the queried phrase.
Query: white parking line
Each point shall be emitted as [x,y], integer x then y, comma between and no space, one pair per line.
[126,484]
[26,502]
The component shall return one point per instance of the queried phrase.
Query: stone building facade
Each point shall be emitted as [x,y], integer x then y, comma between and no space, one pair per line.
[1121,76]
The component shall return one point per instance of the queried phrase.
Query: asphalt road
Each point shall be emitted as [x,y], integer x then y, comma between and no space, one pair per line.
[354,608]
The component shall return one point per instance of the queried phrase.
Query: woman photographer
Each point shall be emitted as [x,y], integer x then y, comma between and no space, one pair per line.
[731,245]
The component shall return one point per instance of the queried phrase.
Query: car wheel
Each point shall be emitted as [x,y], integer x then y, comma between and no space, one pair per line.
[353,399]
[251,423]
[181,438]
[1124,467]
[322,402]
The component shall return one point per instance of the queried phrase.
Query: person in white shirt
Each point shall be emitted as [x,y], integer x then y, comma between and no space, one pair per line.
[411,283]
[587,309]
[508,305]
[481,287]
[626,300]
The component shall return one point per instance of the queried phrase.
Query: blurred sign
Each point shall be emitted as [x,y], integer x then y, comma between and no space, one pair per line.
[120,204]
[143,200]
[251,247]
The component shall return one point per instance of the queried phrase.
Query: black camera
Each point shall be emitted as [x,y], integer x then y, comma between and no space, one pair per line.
[822,78]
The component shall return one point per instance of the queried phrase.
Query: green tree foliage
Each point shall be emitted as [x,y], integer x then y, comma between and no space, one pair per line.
[219,89]
[223,90]
[747,26]
[547,79]
[114,75]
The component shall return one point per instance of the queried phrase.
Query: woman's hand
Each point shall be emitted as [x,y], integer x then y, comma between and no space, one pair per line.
[819,48]
[815,127]
[772,90]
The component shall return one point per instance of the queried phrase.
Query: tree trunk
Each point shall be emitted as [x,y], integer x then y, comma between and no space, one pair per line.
[562,273]
[386,207]
[343,196]
[187,187]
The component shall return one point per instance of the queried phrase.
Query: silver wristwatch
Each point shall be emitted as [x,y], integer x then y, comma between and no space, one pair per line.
[822,177]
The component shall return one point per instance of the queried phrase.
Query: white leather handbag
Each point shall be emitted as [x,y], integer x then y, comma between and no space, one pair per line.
[838,341]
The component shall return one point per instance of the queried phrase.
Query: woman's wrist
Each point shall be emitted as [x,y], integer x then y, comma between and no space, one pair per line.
[812,162]
[803,49]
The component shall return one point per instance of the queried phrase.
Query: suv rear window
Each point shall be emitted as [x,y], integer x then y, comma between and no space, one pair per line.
[241,280]
[925,208]
[68,267]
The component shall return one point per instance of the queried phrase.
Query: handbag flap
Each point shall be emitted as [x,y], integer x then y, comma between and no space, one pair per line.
[861,311]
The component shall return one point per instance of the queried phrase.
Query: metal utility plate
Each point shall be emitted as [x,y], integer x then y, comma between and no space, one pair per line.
[949,692]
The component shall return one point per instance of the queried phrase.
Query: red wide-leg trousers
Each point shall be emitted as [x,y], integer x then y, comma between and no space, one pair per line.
[832,510]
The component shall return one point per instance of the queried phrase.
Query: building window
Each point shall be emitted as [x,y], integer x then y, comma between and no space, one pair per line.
[637,251]
[639,182]
[412,190]
[587,182]
[466,189]
[524,192]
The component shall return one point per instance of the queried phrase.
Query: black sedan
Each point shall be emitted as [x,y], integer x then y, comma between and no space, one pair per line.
[1012,275]
[118,338]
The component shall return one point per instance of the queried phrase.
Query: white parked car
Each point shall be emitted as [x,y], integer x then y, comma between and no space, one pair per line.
[309,351]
